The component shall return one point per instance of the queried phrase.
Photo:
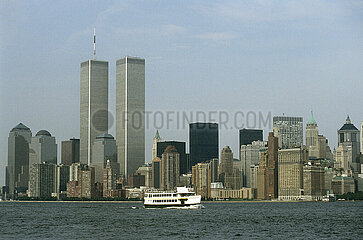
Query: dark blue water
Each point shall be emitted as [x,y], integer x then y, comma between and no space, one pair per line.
[221,220]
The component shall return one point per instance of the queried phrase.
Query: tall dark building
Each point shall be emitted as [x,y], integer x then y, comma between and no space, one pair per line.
[271,182]
[18,159]
[180,147]
[247,136]
[203,142]
[70,151]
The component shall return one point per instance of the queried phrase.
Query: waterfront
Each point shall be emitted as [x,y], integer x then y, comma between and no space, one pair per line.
[219,220]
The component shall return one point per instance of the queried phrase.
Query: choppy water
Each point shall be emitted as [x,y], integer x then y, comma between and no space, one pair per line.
[221,220]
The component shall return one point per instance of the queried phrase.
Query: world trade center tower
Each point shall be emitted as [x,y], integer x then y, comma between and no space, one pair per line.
[130,114]
[93,105]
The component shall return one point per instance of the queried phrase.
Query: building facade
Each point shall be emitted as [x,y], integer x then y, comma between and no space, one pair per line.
[130,113]
[170,162]
[313,182]
[290,173]
[42,180]
[289,130]
[349,140]
[156,139]
[247,136]
[70,152]
[250,155]
[156,173]
[201,179]
[180,147]
[93,105]
[229,175]
[203,142]
[43,148]
[17,173]
[104,148]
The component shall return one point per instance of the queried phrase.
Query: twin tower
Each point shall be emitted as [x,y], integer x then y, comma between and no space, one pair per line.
[130,110]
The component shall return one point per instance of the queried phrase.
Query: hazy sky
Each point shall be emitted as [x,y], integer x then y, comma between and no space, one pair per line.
[262,56]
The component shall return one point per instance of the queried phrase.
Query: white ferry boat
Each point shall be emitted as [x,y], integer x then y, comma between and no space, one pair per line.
[181,198]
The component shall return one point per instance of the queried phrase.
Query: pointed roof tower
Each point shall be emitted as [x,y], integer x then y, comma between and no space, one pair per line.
[157,136]
[311,119]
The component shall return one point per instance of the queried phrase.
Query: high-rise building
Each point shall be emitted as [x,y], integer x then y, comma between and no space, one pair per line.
[313,182]
[250,155]
[272,167]
[290,173]
[84,186]
[201,179]
[290,130]
[348,139]
[146,170]
[247,136]
[170,162]
[156,173]
[317,145]
[253,175]
[93,105]
[110,175]
[230,176]
[130,113]
[43,148]
[361,131]
[156,139]
[18,159]
[214,165]
[70,151]
[42,180]
[203,142]
[180,147]
[104,148]
[62,174]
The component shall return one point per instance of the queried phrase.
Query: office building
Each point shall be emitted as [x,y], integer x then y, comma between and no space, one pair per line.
[313,182]
[42,180]
[110,176]
[93,105]
[289,130]
[201,179]
[317,145]
[214,166]
[247,136]
[146,170]
[203,142]
[230,176]
[156,139]
[130,113]
[290,173]
[70,152]
[342,185]
[104,148]
[84,186]
[254,175]
[156,173]
[348,141]
[43,148]
[18,160]
[170,162]
[250,155]
[180,147]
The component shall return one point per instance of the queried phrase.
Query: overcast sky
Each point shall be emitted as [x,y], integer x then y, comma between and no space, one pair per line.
[262,56]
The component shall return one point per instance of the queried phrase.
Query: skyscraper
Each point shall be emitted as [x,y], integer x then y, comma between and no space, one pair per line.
[290,131]
[70,151]
[42,148]
[203,142]
[42,180]
[230,176]
[18,159]
[156,139]
[93,105]
[290,173]
[247,136]
[180,147]
[348,139]
[104,149]
[170,162]
[249,155]
[130,113]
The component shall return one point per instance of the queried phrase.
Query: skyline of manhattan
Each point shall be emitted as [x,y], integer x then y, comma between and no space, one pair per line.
[57,86]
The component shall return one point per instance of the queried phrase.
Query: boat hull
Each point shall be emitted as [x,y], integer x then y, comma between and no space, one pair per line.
[175,206]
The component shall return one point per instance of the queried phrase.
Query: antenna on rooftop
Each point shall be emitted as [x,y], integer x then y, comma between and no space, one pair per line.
[94,43]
